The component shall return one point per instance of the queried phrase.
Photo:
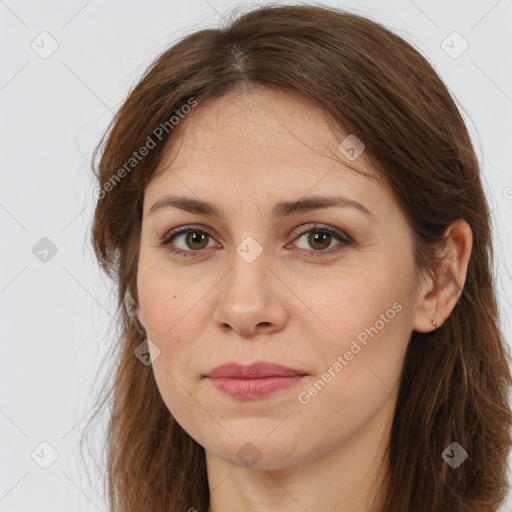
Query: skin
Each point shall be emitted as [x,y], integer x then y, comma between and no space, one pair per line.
[298,303]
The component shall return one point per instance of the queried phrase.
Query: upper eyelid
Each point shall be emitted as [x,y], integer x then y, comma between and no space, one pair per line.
[343,236]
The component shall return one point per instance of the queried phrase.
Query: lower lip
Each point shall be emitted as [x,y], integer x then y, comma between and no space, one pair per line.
[254,388]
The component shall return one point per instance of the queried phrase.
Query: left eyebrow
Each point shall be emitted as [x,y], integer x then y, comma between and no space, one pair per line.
[280,209]
[285,208]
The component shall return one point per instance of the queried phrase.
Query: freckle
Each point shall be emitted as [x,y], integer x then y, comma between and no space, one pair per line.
[175,296]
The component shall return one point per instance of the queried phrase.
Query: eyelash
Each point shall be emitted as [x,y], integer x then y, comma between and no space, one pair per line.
[169,237]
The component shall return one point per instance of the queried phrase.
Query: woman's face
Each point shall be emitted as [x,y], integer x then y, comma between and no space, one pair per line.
[260,280]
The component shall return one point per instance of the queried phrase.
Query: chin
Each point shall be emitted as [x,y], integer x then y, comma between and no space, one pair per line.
[257,449]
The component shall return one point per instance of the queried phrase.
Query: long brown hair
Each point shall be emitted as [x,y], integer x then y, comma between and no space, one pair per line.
[455,380]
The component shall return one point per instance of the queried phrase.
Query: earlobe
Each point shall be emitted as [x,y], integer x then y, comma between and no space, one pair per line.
[444,289]
[426,318]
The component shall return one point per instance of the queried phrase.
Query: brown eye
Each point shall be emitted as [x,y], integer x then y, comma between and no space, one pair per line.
[187,241]
[195,239]
[191,241]
[320,238]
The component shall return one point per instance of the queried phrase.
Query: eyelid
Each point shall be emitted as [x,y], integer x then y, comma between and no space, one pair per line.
[166,239]
[323,227]
[342,237]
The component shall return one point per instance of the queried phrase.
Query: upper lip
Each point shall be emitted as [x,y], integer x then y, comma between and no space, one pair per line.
[257,370]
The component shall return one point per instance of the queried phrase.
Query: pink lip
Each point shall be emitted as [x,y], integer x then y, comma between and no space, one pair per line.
[254,381]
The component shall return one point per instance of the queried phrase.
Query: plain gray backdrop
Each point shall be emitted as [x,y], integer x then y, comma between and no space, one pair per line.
[66,67]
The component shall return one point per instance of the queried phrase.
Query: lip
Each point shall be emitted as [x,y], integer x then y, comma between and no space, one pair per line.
[257,380]
[257,370]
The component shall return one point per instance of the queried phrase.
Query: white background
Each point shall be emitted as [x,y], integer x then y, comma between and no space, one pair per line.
[56,322]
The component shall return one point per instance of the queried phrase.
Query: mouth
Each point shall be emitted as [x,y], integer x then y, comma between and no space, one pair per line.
[253,381]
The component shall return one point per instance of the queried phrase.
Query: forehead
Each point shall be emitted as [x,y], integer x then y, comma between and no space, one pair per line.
[260,141]
[256,122]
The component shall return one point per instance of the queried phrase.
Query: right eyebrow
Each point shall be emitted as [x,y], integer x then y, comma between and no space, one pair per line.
[280,209]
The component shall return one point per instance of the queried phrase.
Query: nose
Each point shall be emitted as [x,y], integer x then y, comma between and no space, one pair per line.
[251,299]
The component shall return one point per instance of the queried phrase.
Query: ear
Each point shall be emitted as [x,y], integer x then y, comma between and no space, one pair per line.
[134,312]
[140,321]
[441,293]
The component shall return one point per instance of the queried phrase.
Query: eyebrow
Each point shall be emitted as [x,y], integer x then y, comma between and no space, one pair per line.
[280,210]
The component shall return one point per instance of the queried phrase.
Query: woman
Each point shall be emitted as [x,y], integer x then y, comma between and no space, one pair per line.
[292,211]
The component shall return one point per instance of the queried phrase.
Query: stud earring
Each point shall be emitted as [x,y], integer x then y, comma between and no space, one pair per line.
[434,323]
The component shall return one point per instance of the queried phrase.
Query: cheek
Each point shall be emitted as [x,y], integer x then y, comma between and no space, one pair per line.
[169,302]
[358,304]
[360,378]
[173,309]
[369,316]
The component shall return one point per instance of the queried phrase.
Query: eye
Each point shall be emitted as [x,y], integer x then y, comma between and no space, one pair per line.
[195,239]
[321,237]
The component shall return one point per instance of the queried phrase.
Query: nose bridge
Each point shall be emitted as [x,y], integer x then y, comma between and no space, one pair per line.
[249,296]
[249,270]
